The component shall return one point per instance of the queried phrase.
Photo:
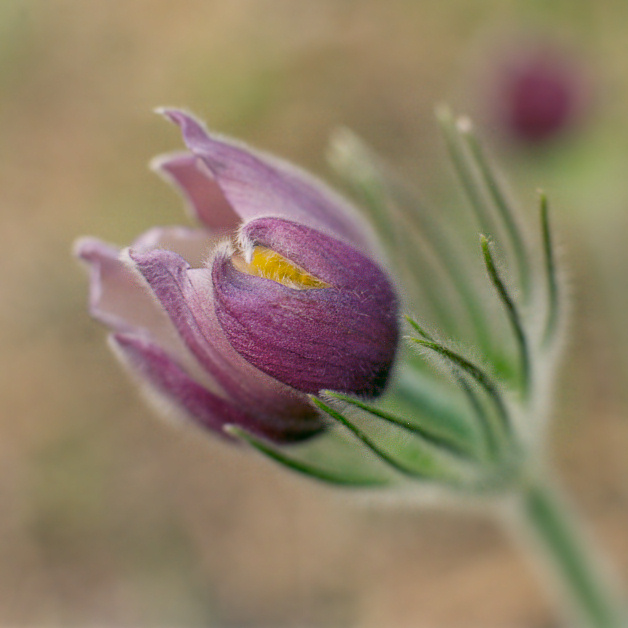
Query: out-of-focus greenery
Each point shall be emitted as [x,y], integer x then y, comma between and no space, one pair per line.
[110,517]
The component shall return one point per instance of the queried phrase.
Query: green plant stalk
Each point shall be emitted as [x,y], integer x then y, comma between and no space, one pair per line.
[571,560]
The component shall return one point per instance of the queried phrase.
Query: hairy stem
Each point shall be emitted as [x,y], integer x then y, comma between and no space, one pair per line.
[569,558]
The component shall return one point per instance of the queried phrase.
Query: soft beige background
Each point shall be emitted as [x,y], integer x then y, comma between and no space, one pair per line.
[110,517]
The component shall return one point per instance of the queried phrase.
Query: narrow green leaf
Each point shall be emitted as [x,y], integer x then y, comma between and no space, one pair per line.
[472,398]
[359,166]
[433,438]
[431,403]
[550,269]
[418,328]
[465,169]
[503,431]
[499,200]
[366,441]
[491,445]
[300,466]
[511,311]
[414,457]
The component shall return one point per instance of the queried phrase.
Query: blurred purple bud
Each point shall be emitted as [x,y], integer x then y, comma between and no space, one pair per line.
[540,93]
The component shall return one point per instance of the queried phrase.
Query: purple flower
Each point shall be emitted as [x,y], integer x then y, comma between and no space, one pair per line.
[541,92]
[238,326]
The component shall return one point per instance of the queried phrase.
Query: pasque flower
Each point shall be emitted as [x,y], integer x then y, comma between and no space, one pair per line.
[274,321]
[276,296]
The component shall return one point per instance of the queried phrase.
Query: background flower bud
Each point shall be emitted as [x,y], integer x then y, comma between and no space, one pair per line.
[540,92]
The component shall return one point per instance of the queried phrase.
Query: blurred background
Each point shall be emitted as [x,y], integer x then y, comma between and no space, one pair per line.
[111,517]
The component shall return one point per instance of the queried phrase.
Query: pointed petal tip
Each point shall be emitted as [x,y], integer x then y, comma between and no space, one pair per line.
[164,163]
[180,117]
[93,251]
[204,199]
[159,163]
[186,121]
[167,112]
[83,248]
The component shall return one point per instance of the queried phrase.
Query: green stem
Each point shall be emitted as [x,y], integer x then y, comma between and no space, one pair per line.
[550,270]
[573,562]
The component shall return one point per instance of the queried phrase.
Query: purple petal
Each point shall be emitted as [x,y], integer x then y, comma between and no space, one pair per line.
[342,338]
[117,297]
[186,295]
[259,185]
[205,199]
[172,384]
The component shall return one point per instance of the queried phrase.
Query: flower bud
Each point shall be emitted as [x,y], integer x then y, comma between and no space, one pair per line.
[327,319]
[540,93]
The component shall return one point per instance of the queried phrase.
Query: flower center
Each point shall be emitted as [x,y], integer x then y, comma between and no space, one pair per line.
[271,265]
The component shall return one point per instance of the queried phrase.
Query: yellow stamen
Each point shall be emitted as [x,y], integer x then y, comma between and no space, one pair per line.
[271,265]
